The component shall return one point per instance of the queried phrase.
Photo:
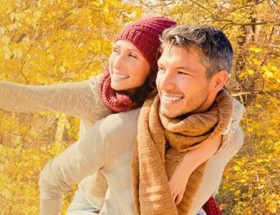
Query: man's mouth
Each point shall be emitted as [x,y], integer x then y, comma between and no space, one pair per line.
[171,98]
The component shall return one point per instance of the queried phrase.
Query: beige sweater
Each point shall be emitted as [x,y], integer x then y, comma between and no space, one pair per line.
[107,147]
[80,99]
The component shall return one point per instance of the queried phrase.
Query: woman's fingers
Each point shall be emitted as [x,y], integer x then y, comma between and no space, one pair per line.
[179,198]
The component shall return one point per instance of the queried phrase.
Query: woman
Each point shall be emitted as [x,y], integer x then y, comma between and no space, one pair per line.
[122,87]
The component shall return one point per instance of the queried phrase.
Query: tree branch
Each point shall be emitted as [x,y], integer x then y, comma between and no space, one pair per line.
[267,92]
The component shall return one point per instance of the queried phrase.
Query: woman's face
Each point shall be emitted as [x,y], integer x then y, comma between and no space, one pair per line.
[128,67]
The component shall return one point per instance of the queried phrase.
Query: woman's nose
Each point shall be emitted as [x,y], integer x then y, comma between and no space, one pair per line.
[118,61]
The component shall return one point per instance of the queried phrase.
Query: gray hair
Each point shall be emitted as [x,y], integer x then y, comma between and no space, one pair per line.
[217,52]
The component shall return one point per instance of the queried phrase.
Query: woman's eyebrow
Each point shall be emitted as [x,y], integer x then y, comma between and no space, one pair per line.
[133,50]
[127,49]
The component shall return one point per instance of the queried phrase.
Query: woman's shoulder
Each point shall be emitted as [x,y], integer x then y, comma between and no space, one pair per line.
[122,119]
[121,123]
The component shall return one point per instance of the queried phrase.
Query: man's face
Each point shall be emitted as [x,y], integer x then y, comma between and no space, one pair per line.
[181,81]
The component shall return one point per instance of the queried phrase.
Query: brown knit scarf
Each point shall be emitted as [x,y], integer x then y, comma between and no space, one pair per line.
[161,145]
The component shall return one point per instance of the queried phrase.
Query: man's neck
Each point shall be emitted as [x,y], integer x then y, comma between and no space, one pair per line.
[206,104]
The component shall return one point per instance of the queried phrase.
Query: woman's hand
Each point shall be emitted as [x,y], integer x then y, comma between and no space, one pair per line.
[178,183]
[192,159]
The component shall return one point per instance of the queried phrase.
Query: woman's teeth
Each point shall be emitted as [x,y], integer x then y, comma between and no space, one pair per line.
[120,76]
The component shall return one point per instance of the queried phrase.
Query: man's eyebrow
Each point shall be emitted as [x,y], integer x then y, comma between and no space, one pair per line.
[179,67]
[185,68]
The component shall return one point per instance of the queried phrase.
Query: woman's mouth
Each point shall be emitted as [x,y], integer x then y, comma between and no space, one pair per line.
[120,76]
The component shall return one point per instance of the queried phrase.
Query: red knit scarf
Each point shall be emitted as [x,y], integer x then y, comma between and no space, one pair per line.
[211,207]
[115,101]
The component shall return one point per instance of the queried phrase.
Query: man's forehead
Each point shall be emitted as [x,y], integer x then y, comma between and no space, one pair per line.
[169,49]
[189,58]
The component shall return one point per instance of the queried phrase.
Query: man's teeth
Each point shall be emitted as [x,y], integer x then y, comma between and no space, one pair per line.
[120,76]
[170,99]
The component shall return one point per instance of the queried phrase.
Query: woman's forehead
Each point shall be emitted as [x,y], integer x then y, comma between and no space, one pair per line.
[124,44]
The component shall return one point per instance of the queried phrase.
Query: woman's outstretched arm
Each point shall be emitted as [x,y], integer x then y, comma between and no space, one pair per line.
[80,99]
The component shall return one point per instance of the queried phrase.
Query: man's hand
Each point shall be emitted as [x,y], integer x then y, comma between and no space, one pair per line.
[178,183]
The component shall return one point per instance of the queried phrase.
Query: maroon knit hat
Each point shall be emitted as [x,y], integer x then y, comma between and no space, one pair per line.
[145,34]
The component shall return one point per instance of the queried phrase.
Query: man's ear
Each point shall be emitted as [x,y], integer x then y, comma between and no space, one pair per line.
[219,80]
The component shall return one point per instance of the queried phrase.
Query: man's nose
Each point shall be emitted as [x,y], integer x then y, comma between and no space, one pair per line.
[167,80]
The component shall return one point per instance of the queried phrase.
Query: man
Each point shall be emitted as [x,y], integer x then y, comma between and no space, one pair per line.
[194,113]
[187,133]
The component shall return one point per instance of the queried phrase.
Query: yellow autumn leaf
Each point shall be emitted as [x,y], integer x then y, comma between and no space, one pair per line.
[268,74]
[7,55]
[18,52]
[6,40]
[255,49]
[250,72]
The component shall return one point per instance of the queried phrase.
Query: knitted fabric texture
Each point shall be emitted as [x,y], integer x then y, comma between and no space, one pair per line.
[161,145]
[145,35]
[211,207]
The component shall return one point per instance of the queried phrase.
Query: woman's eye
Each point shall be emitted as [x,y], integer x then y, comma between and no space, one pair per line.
[132,55]
[160,69]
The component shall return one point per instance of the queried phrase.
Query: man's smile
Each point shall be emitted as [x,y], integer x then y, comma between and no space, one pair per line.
[171,98]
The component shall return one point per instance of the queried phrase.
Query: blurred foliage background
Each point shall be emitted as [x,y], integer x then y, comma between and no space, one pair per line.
[57,41]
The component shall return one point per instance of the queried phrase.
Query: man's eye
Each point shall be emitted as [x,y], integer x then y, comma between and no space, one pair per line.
[182,73]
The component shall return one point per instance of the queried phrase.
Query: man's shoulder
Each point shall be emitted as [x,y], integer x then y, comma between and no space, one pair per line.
[238,110]
[234,133]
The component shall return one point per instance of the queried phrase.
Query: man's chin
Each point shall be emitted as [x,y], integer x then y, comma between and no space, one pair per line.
[168,113]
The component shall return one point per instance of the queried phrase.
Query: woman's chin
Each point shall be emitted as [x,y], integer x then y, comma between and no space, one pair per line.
[118,87]
[125,90]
